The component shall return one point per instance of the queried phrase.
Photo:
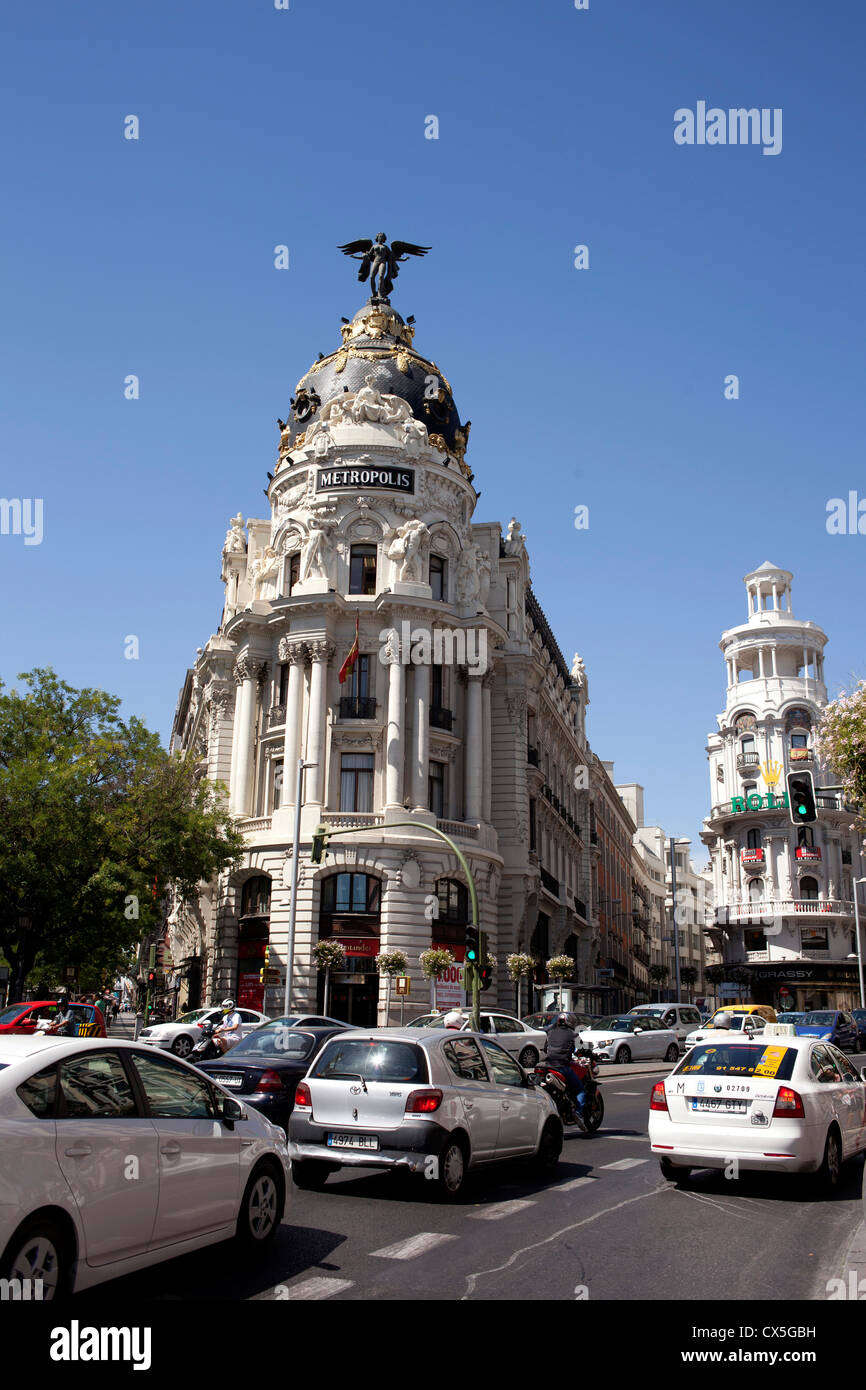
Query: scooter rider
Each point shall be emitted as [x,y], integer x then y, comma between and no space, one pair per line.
[560,1053]
[228,1030]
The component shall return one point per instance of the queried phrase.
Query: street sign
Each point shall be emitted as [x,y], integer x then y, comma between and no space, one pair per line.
[784,990]
[403,984]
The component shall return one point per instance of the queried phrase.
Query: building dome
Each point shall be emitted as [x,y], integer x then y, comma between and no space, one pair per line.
[378,344]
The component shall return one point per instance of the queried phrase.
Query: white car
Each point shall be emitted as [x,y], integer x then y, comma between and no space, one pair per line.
[181,1036]
[527,1044]
[631,1038]
[773,1103]
[742,1026]
[115,1157]
[427,1101]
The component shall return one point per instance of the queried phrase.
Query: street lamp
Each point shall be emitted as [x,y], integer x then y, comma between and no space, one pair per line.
[854,883]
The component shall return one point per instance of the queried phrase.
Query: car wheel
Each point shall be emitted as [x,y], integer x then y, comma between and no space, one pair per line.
[40,1250]
[672,1054]
[453,1169]
[549,1148]
[528,1058]
[828,1175]
[671,1172]
[182,1046]
[623,1055]
[259,1216]
[310,1174]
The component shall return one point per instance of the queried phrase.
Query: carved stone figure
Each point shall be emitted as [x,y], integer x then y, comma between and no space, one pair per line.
[396,410]
[484,571]
[515,543]
[414,434]
[468,582]
[407,551]
[316,550]
[323,441]
[265,571]
[235,542]
[284,435]
[578,669]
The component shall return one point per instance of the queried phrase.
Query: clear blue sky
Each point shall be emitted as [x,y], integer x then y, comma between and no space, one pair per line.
[601,387]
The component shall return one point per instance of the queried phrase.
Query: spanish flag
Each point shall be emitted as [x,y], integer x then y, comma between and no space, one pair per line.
[352,657]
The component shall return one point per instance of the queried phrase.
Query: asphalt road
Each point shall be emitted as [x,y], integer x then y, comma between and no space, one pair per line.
[606,1227]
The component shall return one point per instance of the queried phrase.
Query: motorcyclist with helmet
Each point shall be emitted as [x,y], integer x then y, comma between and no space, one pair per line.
[560,1054]
[228,1030]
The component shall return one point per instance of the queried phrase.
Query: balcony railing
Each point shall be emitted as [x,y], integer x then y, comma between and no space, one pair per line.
[251,824]
[748,759]
[784,907]
[347,820]
[458,829]
[800,755]
[357,707]
[532,755]
[550,883]
[441,718]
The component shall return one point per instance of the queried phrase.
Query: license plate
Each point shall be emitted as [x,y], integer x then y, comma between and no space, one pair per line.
[353,1141]
[728,1107]
[230,1080]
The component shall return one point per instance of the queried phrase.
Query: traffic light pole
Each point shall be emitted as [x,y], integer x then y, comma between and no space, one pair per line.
[475,973]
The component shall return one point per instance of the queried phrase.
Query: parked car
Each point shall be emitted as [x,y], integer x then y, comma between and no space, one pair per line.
[181,1036]
[546,1019]
[859,1017]
[628,1037]
[75,1114]
[266,1066]
[774,1104]
[682,1018]
[791,1016]
[304,1021]
[742,1026]
[422,1100]
[526,1044]
[39,1014]
[765,1010]
[831,1025]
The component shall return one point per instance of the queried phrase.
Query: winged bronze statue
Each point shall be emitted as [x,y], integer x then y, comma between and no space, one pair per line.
[379,261]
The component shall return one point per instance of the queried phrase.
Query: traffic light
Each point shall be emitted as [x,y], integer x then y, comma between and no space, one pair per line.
[472,946]
[486,977]
[151,976]
[320,836]
[485,972]
[802,806]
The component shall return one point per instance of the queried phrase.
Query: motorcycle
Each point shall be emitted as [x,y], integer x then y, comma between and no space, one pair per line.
[585,1068]
[205,1049]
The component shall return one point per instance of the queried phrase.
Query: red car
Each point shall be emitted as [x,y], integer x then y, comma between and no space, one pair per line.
[27,1018]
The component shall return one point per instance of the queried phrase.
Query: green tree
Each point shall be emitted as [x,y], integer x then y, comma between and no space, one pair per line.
[840,741]
[659,973]
[689,976]
[95,818]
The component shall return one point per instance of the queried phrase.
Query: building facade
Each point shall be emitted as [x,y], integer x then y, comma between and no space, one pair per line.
[784,918]
[459,712]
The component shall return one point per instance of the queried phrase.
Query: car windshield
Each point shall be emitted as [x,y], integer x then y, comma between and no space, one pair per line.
[615,1024]
[739,1059]
[656,1013]
[193,1016]
[428,1021]
[9,1015]
[286,1021]
[373,1059]
[822,1017]
[859,1014]
[276,1042]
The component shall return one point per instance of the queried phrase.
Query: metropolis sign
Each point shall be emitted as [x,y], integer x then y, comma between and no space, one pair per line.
[394,479]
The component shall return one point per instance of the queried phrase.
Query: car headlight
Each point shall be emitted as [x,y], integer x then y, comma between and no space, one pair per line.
[825,1037]
[605,1042]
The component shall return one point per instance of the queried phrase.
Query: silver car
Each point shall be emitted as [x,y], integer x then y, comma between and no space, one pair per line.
[526,1044]
[427,1101]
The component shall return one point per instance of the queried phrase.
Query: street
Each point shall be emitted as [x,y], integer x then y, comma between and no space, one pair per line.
[607,1228]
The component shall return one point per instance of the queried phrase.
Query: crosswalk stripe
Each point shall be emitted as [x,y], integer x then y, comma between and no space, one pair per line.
[575,1182]
[415,1245]
[625,1163]
[630,1138]
[313,1289]
[500,1209]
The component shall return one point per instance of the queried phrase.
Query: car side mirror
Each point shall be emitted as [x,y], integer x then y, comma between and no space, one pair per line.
[638,1030]
[232,1111]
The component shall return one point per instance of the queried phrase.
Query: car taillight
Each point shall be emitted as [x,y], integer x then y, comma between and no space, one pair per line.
[270,1081]
[303,1099]
[788,1105]
[658,1099]
[423,1102]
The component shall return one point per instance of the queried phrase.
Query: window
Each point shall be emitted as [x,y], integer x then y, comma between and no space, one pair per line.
[437,687]
[172,1093]
[504,1024]
[278,785]
[799,741]
[805,837]
[813,938]
[359,680]
[438,572]
[756,890]
[95,1087]
[294,570]
[350,893]
[356,782]
[505,1070]
[453,901]
[256,897]
[38,1093]
[754,940]
[378,1059]
[281,685]
[823,1065]
[753,839]
[747,745]
[809,888]
[436,788]
[362,569]
[465,1060]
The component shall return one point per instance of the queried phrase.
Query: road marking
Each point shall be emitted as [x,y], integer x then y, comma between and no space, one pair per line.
[624,1163]
[500,1209]
[575,1182]
[409,1249]
[314,1289]
[630,1138]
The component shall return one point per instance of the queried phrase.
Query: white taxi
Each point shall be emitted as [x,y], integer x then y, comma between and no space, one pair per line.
[769,1103]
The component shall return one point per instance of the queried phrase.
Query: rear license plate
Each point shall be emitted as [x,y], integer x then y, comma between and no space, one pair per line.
[729,1107]
[352,1141]
[230,1080]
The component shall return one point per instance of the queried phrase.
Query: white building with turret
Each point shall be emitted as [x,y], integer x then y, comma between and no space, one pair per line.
[784,910]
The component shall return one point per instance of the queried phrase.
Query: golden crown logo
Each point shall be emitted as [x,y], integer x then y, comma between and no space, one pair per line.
[772,772]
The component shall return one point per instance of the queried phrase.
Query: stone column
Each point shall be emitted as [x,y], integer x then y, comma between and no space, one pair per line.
[761,662]
[487,768]
[773,655]
[473,748]
[320,655]
[421,731]
[395,750]
[295,653]
[248,672]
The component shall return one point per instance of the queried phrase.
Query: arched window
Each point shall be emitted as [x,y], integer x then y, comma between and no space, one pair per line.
[809,889]
[256,897]
[753,839]
[345,894]
[756,890]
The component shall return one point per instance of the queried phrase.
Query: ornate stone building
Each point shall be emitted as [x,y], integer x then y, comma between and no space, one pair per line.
[784,914]
[459,711]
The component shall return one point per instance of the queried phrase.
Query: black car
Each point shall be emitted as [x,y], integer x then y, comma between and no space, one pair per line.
[266,1066]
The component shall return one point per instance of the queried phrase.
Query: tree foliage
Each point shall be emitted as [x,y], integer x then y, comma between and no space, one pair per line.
[840,742]
[95,819]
